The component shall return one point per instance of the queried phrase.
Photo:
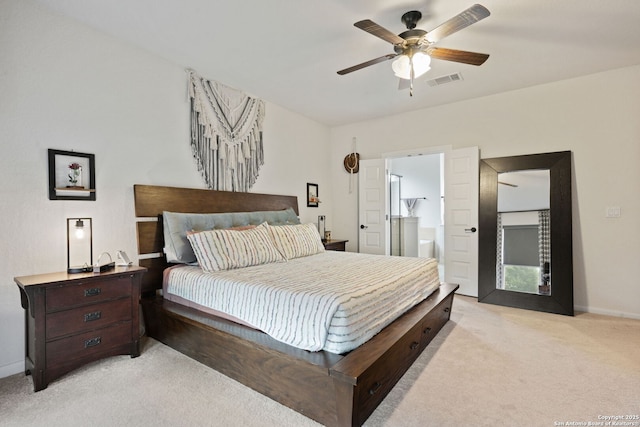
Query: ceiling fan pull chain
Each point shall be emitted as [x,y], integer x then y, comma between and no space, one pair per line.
[411,74]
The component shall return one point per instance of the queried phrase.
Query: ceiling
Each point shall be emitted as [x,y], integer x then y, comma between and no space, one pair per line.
[287,52]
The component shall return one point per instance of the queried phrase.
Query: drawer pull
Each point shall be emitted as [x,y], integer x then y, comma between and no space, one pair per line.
[92,342]
[90,317]
[414,345]
[426,331]
[375,388]
[92,292]
[446,309]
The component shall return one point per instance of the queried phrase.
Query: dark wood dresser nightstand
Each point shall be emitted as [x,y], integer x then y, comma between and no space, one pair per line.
[334,245]
[73,319]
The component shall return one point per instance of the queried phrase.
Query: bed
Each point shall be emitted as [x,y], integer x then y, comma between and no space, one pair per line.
[330,388]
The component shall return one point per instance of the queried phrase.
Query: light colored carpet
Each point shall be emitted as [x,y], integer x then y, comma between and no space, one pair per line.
[490,365]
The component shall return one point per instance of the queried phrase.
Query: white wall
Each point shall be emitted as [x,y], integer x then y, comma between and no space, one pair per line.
[65,86]
[594,116]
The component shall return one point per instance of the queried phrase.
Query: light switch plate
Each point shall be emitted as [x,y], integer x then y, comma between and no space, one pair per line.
[613,212]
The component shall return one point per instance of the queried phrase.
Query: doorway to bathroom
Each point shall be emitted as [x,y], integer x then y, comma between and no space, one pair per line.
[416,199]
[455,238]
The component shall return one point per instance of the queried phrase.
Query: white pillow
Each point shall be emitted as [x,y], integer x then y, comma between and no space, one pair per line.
[227,249]
[295,241]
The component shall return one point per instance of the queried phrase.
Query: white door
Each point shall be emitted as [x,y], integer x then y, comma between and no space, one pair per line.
[461,219]
[373,215]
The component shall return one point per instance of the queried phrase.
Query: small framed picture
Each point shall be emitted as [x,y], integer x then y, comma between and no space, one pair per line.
[72,176]
[312,195]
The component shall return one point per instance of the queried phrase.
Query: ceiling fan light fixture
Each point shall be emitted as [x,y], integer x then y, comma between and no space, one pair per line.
[402,65]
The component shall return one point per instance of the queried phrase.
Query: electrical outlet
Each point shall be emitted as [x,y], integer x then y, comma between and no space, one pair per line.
[613,212]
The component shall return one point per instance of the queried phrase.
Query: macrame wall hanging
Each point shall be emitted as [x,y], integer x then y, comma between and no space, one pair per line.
[226,134]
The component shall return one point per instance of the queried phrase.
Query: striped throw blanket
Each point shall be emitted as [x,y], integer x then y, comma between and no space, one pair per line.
[332,301]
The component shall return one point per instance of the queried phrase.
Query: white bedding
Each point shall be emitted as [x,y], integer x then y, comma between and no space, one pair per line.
[332,301]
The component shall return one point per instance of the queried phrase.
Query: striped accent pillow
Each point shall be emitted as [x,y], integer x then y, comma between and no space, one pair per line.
[295,241]
[218,250]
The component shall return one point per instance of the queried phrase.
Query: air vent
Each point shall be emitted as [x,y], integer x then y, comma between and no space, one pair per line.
[456,77]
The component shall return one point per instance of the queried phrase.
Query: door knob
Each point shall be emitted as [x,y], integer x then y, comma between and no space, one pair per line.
[470,230]
[362,226]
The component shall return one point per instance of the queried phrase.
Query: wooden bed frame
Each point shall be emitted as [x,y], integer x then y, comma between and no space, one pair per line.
[334,390]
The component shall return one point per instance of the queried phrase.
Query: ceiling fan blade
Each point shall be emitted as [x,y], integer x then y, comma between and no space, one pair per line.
[378,31]
[471,58]
[462,20]
[367,63]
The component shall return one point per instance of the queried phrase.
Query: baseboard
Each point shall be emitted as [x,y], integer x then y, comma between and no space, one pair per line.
[12,369]
[605,312]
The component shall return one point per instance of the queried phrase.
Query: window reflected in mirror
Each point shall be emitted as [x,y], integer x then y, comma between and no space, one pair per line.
[523,232]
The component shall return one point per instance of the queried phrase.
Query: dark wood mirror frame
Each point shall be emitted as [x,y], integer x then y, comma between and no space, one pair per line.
[561,299]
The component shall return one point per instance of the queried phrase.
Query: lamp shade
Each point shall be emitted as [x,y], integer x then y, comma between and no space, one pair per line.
[79,245]
[321,226]
[402,65]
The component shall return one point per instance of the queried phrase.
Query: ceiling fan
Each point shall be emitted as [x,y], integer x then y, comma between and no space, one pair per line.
[414,48]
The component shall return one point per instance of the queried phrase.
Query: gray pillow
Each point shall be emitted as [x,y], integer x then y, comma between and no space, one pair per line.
[176,225]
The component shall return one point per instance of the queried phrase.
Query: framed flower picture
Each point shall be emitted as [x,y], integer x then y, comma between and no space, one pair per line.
[72,175]
[312,195]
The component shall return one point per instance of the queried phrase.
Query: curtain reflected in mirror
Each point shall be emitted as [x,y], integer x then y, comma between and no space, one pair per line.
[523,232]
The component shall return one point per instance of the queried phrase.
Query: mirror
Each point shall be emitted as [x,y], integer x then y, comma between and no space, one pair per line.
[523,244]
[396,213]
[394,195]
[525,232]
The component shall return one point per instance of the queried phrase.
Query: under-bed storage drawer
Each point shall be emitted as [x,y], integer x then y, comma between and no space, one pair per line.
[364,377]
[385,373]
[435,320]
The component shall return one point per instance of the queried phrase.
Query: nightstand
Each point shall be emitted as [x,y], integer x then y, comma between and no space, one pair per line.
[74,319]
[334,245]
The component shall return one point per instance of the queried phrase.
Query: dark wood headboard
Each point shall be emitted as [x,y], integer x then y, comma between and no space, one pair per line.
[151,201]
